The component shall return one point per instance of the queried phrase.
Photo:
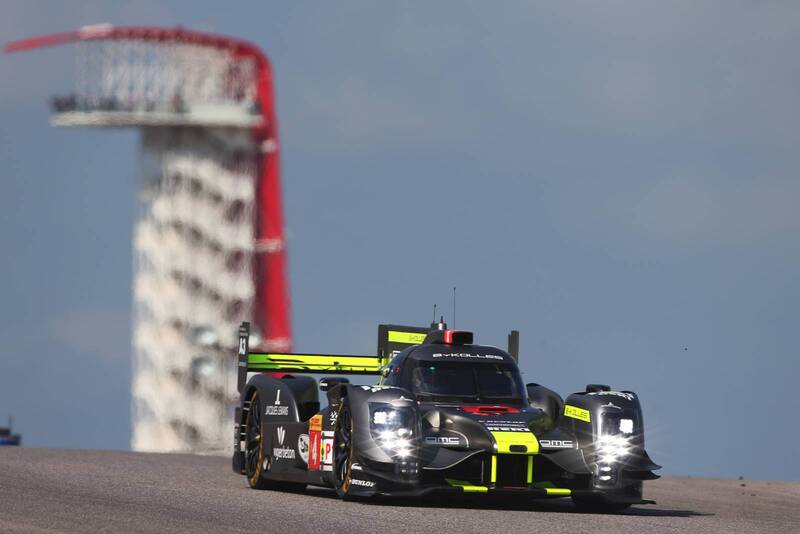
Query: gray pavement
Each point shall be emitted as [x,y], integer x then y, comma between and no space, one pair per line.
[51,490]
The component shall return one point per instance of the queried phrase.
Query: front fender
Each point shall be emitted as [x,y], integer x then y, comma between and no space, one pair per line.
[597,414]
[359,399]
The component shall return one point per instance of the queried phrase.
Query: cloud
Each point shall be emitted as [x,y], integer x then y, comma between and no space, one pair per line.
[104,334]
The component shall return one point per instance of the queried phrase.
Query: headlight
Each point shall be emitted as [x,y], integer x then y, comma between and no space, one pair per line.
[611,449]
[393,429]
[626,426]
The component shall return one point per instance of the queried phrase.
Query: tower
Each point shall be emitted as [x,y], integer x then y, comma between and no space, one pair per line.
[209,247]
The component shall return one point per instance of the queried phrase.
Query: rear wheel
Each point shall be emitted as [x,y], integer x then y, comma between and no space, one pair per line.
[255,459]
[343,450]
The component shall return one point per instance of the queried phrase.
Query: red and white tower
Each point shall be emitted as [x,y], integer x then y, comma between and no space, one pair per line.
[209,247]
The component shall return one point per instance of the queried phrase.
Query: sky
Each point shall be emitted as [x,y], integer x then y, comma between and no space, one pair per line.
[616,180]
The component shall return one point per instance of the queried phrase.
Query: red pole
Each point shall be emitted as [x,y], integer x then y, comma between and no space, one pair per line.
[271,309]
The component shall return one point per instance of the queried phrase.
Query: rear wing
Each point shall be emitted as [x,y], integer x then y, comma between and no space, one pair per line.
[391,339]
[394,338]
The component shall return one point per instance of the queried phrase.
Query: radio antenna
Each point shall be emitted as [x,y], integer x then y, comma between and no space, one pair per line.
[454,307]
[434,315]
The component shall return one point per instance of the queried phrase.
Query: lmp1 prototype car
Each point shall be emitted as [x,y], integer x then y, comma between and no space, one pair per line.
[446,417]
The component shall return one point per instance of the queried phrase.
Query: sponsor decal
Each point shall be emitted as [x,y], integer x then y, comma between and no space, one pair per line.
[276,409]
[315,442]
[333,416]
[577,413]
[626,396]
[556,443]
[315,423]
[327,454]
[503,428]
[243,348]
[442,440]
[490,410]
[467,355]
[281,452]
[506,426]
[356,467]
[410,338]
[302,447]
[447,438]
[364,483]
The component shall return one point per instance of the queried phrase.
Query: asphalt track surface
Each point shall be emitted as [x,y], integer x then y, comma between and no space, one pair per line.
[50,490]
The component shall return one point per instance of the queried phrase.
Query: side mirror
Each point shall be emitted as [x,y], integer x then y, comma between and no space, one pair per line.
[330,382]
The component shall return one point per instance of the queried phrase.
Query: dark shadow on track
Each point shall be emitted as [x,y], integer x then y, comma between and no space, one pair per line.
[564,506]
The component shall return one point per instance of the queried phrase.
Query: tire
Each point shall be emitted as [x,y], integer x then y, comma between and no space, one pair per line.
[343,447]
[598,506]
[255,459]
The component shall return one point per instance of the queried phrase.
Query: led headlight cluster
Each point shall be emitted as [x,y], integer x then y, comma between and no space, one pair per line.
[393,429]
[611,449]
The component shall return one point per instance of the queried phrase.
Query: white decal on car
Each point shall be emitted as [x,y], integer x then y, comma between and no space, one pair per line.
[302,447]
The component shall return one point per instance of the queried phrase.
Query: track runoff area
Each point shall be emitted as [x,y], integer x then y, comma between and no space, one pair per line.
[52,490]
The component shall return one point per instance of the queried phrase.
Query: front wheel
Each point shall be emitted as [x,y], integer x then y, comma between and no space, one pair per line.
[343,451]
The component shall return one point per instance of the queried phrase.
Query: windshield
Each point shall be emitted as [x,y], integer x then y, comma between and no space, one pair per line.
[467,382]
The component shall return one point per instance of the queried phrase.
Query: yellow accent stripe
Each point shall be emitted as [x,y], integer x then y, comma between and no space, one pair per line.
[412,338]
[529,478]
[577,413]
[504,441]
[312,363]
[466,487]
[493,474]
[563,492]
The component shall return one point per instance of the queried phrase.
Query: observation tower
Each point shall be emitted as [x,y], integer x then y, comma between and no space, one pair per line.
[209,248]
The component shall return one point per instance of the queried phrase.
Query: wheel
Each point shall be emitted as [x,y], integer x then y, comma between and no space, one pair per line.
[598,506]
[254,457]
[257,458]
[343,451]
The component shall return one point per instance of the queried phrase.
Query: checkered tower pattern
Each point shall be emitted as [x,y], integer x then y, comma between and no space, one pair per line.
[208,241]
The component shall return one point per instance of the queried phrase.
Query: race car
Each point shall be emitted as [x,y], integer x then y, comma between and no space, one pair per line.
[447,416]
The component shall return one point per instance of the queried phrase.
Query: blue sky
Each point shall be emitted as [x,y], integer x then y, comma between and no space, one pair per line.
[617,180]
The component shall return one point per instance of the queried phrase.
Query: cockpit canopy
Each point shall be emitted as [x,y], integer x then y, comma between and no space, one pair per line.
[458,373]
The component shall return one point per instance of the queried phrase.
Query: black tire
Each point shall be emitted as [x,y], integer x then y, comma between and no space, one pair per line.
[598,506]
[343,451]
[255,459]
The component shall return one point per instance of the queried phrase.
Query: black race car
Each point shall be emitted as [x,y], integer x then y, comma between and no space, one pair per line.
[446,417]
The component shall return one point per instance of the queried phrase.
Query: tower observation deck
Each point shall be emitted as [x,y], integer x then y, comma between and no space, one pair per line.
[209,247]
